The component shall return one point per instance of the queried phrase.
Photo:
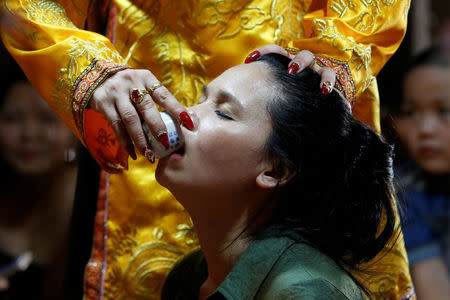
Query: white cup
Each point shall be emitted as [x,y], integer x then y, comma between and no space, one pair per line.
[176,140]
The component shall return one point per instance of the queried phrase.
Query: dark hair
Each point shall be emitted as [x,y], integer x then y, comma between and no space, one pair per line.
[432,56]
[10,72]
[341,198]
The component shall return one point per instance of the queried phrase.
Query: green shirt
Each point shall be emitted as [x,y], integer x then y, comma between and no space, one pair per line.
[272,267]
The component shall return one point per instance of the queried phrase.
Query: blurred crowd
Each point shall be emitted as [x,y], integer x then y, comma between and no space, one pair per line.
[38,158]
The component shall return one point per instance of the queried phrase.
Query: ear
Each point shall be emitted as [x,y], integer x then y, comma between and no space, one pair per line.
[270,178]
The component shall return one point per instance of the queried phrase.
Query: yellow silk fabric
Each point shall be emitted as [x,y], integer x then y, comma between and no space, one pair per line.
[186,43]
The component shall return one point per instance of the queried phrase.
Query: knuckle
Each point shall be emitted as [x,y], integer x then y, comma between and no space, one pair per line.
[140,140]
[127,74]
[305,53]
[162,94]
[146,72]
[146,104]
[115,123]
[272,47]
[113,89]
[129,117]
[330,71]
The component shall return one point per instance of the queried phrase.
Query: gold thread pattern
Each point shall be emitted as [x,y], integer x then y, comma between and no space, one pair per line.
[81,49]
[340,7]
[325,29]
[148,263]
[48,12]
[230,16]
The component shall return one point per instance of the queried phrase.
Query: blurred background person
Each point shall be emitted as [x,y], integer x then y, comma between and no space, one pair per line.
[404,109]
[423,126]
[39,166]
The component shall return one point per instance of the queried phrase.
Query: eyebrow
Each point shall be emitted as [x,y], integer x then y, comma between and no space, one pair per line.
[224,95]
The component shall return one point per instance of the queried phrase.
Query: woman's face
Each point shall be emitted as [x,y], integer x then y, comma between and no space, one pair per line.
[32,138]
[424,125]
[225,150]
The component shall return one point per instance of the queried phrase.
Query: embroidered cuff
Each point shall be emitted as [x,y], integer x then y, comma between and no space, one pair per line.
[85,85]
[344,81]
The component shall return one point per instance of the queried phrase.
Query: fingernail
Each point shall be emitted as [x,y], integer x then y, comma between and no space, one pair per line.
[326,88]
[187,121]
[149,154]
[132,152]
[163,138]
[293,69]
[252,56]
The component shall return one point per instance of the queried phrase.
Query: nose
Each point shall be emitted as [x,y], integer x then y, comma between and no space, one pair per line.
[428,124]
[30,129]
[196,112]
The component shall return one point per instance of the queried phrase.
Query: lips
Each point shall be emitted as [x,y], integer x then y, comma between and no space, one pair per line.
[28,154]
[429,152]
[179,154]
[180,151]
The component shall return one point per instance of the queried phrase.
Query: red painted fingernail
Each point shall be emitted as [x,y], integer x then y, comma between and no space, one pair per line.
[187,121]
[132,152]
[149,154]
[252,56]
[293,68]
[163,138]
[326,89]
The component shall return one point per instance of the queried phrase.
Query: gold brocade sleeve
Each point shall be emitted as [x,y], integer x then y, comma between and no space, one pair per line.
[362,33]
[44,38]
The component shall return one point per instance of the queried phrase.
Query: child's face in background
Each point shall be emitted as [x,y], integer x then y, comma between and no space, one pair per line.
[33,140]
[424,123]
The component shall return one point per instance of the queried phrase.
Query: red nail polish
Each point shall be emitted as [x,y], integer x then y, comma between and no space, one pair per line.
[132,152]
[252,56]
[187,121]
[163,138]
[326,89]
[293,69]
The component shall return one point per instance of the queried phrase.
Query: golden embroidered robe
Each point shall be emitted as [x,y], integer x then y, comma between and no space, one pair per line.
[140,229]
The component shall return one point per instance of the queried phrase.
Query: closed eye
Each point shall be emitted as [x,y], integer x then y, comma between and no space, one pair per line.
[223,115]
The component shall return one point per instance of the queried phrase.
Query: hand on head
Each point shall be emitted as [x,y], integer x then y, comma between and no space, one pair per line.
[300,61]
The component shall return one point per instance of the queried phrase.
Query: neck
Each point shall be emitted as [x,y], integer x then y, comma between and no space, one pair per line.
[222,245]
[224,225]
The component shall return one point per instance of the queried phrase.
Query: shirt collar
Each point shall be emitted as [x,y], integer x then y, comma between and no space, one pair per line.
[246,277]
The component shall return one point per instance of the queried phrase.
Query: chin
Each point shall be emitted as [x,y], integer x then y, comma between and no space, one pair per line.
[160,174]
[436,168]
[31,170]
[164,175]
